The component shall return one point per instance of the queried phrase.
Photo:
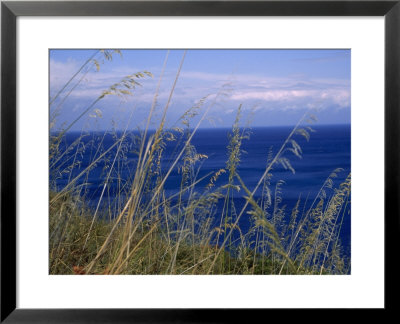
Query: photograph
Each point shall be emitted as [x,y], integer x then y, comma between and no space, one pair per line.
[199,161]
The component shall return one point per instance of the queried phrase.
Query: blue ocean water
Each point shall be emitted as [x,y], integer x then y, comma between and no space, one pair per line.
[328,148]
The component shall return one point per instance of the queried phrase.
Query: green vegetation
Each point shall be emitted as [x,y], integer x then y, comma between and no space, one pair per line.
[141,230]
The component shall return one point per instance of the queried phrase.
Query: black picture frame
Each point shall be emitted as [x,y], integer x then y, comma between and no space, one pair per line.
[10,10]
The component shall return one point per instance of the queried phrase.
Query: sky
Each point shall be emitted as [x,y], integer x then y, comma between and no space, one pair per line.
[273,87]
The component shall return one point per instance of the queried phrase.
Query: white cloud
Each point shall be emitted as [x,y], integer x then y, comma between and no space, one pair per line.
[61,72]
[326,97]
[92,82]
[290,92]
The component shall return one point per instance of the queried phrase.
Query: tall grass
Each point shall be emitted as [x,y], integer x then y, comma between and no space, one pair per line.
[136,228]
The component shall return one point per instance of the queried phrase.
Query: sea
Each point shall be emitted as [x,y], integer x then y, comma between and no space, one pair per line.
[327,149]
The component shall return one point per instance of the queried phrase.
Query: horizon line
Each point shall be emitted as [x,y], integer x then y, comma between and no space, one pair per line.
[203,128]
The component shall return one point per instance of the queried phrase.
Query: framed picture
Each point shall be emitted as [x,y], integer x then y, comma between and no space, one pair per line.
[161,158]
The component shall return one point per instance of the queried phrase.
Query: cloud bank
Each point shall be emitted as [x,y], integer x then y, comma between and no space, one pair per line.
[280,93]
